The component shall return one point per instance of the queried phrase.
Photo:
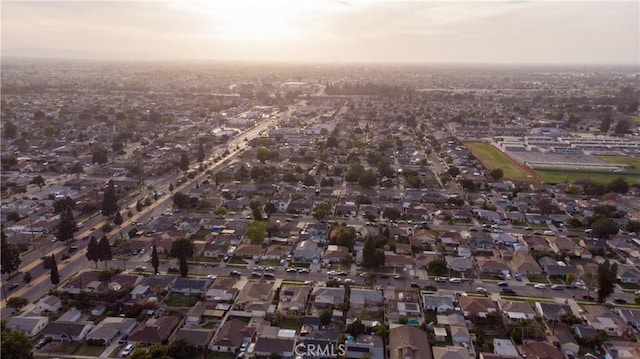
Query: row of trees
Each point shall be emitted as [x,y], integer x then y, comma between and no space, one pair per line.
[99,250]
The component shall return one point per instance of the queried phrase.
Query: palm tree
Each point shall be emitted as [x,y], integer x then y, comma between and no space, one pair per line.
[370,278]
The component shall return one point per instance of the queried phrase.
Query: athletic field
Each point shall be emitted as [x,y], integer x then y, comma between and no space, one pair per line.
[492,158]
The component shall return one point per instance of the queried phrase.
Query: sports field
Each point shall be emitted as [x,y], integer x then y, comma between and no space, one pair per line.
[493,158]
[633,162]
[560,176]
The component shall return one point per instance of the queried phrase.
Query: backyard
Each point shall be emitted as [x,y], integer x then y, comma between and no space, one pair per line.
[181,300]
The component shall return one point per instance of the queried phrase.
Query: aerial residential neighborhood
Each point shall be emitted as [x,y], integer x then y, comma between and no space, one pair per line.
[261,219]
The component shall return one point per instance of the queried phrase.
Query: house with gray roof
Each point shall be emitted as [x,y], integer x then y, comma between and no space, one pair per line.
[64,331]
[438,303]
[368,299]
[110,328]
[31,326]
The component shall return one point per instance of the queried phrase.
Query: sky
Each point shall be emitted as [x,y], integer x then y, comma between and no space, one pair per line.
[322,31]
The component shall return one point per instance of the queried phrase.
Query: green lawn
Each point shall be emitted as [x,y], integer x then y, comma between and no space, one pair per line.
[371,315]
[538,279]
[180,300]
[634,163]
[269,262]
[209,325]
[492,158]
[299,264]
[90,350]
[563,175]
[237,260]
[635,118]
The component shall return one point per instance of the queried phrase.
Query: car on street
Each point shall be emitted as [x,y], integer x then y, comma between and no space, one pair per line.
[291,270]
[620,301]
[256,274]
[72,249]
[440,279]
[539,286]
[268,275]
[481,290]
[13,286]
[503,284]
[413,284]
[173,270]
[508,291]
[455,280]
[141,268]
[557,287]
[303,270]
[235,273]
[588,297]
[430,288]
[384,276]
[348,280]
[473,229]
[343,274]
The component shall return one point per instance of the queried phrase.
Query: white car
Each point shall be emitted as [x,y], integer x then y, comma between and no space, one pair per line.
[540,286]
[455,280]
[348,280]
[481,290]
[126,351]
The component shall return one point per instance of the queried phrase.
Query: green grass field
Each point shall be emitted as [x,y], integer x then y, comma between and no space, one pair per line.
[635,118]
[492,158]
[560,176]
[633,162]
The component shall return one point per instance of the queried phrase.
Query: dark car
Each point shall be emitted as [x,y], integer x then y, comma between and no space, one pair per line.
[430,288]
[173,270]
[235,273]
[415,285]
[256,274]
[13,286]
[620,301]
[41,344]
[384,276]
[503,284]
[587,297]
[508,291]
[72,249]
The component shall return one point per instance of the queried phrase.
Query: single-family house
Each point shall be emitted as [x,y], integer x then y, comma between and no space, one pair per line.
[249,251]
[195,335]
[517,310]
[30,326]
[477,307]
[552,311]
[283,346]
[459,264]
[438,303]
[371,346]
[194,314]
[630,316]
[49,304]
[222,289]
[505,347]
[110,328]
[367,299]
[540,349]
[231,336]
[153,331]
[65,331]
[327,297]
[523,263]
[407,342]
[604,319]
[293,298]
[335,254]
[307,251]
[492,265]
[190,286]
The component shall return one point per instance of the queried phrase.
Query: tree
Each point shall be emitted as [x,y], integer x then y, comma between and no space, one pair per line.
[370,258]
[67,225]
[15,345]
[17,302]
[606,122]
[257,232]
[356,328]
[155,261]
[100,155]
[184,161]
[270,208]
[263,154]
[181,349]
[76,168]
[570,277]
[619,185]
[9,255]
[453,171]
[104,250]
[10,130]
[60,204]
[38,181]
[437,267]
[27,278]
[109,200]
[606,277]
[55,275]
[604,227]
[200,155]
[325,317]
[117,220]
[391,213]
[496,174]
[257,214]
[309,180]
[321,211]
[623,126]
[93,250]
[182,249]
[367,179]
[220,211]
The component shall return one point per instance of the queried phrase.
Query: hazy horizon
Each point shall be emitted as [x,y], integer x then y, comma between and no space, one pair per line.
[342,32]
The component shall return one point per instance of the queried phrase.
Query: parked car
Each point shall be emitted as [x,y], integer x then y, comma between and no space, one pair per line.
[291,270]
[141,268]
[268,275]
[430,288]
[72,249]
[455,280]
[557,287]
[508,291]
[413,284]
[256,274]
[13,286]
[503,284]
[440,279]
[481,290]
[41,344]
[127,350]
[539,286]
[348,280]
[620,301]
[588,297]
[235,273]
[173,270]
